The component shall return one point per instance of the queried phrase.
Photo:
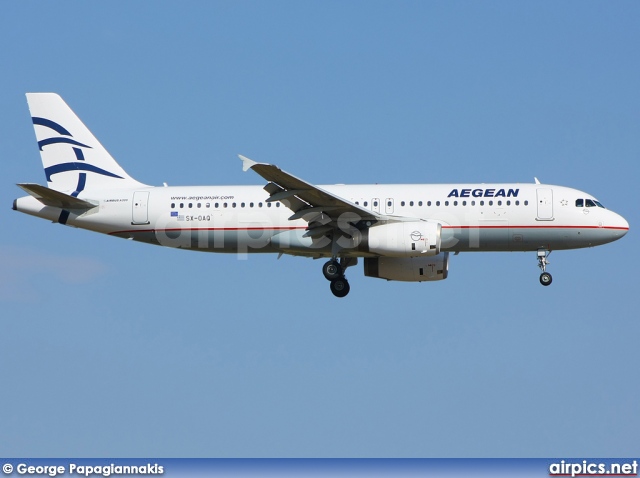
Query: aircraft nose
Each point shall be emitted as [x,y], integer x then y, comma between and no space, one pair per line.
[619,225]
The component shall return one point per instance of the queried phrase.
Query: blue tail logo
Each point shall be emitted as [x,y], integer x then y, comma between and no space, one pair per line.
[78,165]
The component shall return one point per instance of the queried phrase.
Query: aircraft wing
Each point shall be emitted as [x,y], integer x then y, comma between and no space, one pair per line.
[320,208]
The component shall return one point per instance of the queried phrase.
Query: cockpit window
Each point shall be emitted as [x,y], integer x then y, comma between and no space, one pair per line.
[588,203]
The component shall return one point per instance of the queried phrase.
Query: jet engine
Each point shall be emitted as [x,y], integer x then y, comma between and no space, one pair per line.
[408,269]
[403,239]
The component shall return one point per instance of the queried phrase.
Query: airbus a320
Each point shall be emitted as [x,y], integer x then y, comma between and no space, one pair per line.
[401,232]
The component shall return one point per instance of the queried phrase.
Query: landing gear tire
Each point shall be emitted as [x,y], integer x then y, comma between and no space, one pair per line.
[332,270]
[545,278]
[340,287]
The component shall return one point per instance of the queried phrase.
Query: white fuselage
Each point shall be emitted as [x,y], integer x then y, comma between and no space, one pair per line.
[474,217]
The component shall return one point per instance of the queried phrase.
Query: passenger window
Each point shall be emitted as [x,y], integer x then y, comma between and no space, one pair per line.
[464,203]
[526,203]
[225,205]
[446,203]
[428,203]
[490,203]
[217,205]
[208,204]
[419,203]
[277,204]
[375,203]
[259,204]
[579,202]
[250,204]
[437,203]
[199,204]
[517,203]
[482,203]
[241,204]
[366,204]
[190,205]
[589,203]
[473,203]
[389,203]
[173,205]
[233,205]
[455,203]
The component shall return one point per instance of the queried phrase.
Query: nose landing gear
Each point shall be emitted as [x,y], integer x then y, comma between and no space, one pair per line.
[545,277]
[334,272]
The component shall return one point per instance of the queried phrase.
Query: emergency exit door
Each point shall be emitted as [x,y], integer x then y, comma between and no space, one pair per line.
[388,206]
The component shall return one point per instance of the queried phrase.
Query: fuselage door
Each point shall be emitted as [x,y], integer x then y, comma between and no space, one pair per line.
[140,207]
[388,206]
[545,204]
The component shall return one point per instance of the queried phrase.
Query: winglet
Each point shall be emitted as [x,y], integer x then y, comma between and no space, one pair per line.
[247,163]
[537,180]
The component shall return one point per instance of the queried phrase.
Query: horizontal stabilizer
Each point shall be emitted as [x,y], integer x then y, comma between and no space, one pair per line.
[53,198]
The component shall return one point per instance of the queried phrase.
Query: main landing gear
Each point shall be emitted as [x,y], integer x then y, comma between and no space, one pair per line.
[545,277]
[334,272]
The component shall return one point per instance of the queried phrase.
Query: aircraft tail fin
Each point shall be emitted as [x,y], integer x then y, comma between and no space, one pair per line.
[73,159]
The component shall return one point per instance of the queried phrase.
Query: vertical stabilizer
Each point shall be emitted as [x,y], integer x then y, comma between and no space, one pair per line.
[73,159]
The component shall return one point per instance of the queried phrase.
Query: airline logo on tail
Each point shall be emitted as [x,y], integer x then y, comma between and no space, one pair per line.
[79,164]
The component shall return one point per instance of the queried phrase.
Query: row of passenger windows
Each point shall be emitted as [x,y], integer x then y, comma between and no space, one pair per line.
[579,203]
[446,203]
[588,203]
[365,204]
[217,205]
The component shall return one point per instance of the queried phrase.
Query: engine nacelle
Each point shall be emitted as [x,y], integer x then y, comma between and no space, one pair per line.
[404,239]
[408,269]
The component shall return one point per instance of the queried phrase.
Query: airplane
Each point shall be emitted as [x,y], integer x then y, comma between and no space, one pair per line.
[401,232]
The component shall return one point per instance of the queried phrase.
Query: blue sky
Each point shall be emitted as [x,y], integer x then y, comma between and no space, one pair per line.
[113,348]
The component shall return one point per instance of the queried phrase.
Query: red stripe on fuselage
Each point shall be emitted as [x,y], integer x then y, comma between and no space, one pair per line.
[289,228]
[273,228]
[536,227]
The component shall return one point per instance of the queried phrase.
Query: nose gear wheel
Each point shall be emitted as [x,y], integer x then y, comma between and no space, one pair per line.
[545,277]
